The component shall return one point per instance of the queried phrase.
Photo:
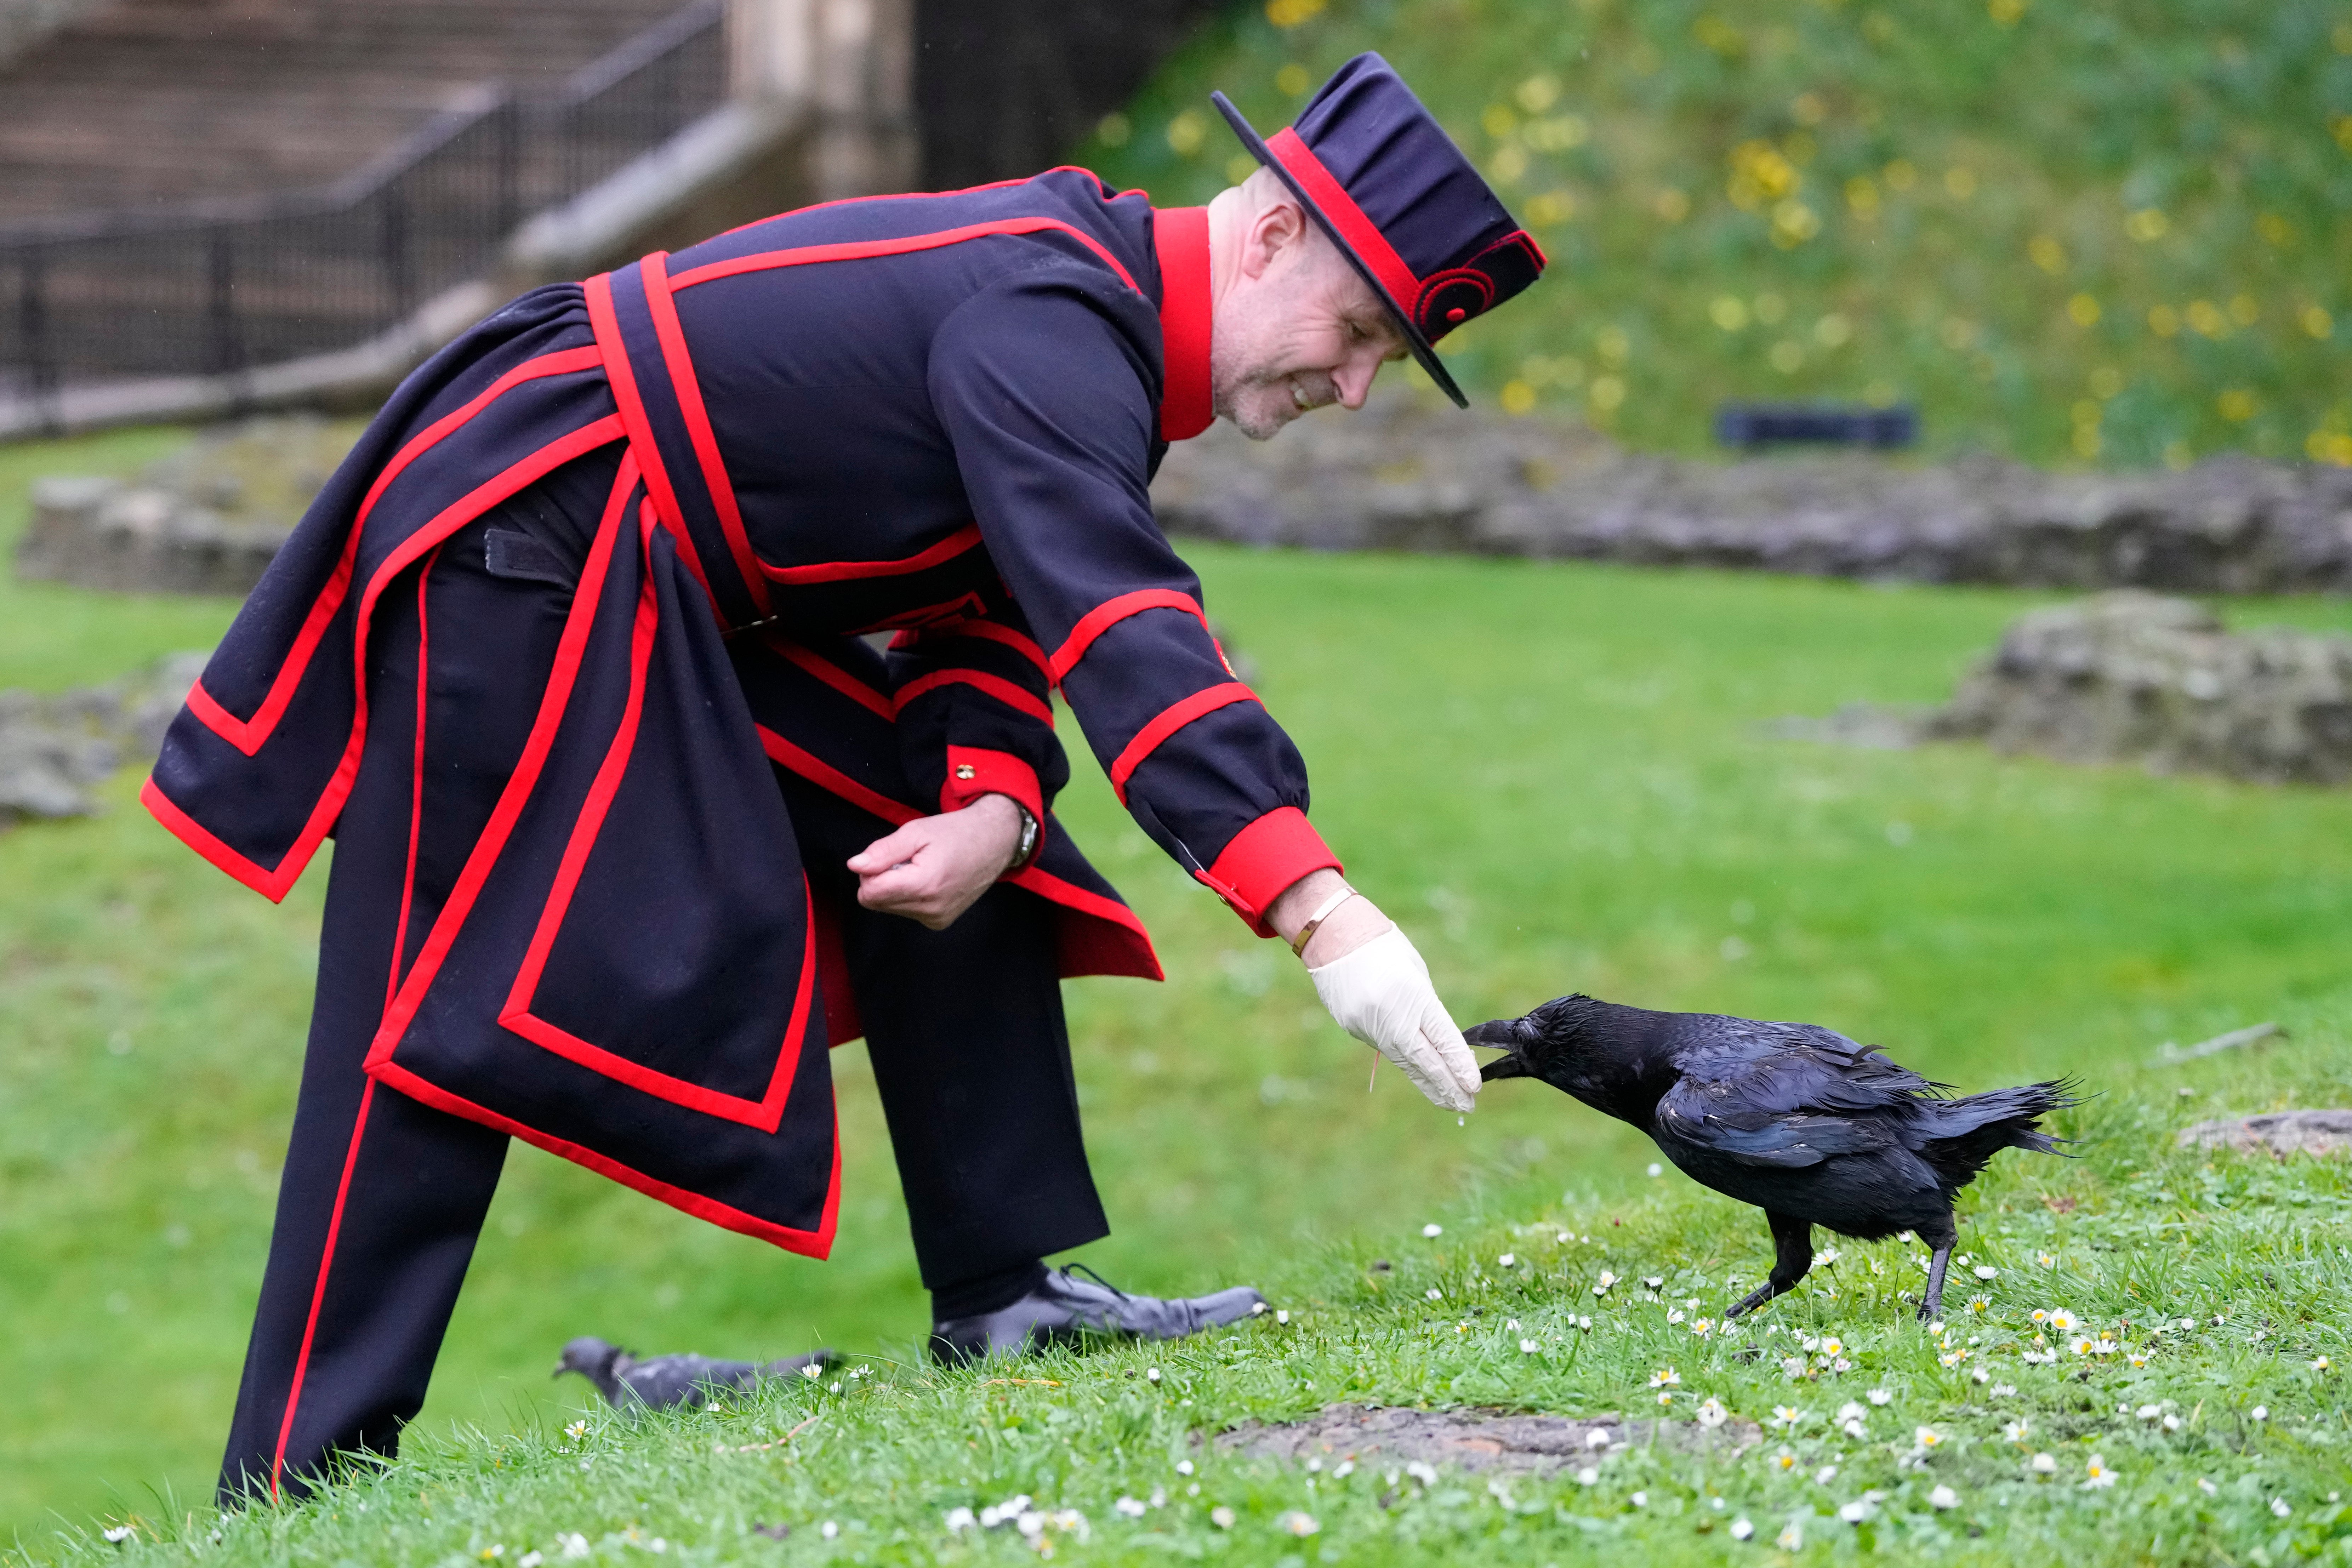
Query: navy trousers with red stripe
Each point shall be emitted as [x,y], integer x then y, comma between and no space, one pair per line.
[381,1198]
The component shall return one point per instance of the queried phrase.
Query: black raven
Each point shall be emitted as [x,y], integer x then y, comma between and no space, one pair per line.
[1793,1118]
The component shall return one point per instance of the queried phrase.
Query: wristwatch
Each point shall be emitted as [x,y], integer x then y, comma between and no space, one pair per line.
[1030,836]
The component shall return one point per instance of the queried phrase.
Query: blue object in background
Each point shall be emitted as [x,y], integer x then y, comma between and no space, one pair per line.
[1750,425]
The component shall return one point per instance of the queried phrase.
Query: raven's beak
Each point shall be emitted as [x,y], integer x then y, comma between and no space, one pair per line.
[1497,1034]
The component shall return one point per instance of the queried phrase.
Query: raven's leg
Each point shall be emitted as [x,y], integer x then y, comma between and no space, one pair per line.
[1793,1242]
[1932,1305]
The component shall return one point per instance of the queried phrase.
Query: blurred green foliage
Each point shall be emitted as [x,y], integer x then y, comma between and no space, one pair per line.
[2110,233]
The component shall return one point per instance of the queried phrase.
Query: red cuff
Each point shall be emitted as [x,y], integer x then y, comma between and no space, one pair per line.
[1263,860]
[973,772]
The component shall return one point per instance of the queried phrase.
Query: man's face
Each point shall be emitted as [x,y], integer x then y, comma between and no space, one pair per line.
[1298,329]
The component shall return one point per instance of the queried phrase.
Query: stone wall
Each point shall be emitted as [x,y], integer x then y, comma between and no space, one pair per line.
[56,751]
[1403,475]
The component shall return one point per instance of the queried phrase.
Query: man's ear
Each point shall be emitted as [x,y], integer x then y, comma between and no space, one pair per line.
[1276,227]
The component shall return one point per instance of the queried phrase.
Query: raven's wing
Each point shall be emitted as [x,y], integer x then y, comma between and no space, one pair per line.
[1786,1095]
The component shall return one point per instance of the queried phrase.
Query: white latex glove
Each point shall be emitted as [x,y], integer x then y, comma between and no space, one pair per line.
[1381,993]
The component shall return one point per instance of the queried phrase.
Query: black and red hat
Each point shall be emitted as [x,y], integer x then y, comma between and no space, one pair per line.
[1378,174]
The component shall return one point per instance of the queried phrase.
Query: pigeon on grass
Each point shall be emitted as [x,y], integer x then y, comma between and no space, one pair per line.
[662,1382]
[1797,1119]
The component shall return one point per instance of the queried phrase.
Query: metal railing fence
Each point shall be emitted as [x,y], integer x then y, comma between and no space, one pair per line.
[214,286]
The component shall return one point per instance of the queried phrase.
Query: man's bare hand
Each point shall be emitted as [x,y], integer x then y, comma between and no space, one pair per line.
[935,868]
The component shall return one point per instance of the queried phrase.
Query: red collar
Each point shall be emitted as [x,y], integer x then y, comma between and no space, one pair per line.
[1182,237]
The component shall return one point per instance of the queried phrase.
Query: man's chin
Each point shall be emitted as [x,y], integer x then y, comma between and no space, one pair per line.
[1262,419]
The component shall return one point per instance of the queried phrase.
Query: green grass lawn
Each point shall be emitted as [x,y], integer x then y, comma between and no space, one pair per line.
[2107,233]
[1552,774]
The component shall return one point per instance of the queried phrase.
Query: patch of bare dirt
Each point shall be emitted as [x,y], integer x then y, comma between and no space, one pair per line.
[1476,1439]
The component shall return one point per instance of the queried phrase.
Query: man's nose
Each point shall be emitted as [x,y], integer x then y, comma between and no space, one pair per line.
[1354,382]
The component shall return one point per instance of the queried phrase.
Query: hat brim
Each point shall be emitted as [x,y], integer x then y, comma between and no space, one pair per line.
[1422,351]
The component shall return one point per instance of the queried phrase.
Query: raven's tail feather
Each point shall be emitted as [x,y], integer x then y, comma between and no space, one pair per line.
[1968,1132]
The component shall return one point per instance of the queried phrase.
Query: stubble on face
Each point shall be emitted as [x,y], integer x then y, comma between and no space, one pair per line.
[1270,353]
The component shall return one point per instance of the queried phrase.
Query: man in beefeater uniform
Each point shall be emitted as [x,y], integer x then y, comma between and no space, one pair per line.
[631,823]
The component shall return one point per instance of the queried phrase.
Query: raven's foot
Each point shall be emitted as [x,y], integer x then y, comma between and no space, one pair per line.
[1931,1305]
[1753,1300]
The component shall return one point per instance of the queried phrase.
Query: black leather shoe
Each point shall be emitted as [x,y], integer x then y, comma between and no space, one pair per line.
[1063,1309]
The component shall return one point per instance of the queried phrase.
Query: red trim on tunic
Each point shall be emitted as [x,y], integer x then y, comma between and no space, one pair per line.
[319,1291]
[947,549]
[416,777]
[247,735]
[273,883]
[654,271]
[1360,231]
[825,670]
[988,631]
[1181,235]
[1265,860]
[1167,722]
[623,378]
[766,1113]
[863,249]
[817,1243]
[570,649]
[992,772]
[995,686]
[1113,940]
[1108,613]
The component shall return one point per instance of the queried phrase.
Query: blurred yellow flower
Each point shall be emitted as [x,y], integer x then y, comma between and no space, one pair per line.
[2315,321]
[1558,134]
[1539,92]
[2341,128]
[1794,223]
[1718,35]
[1507,164]
[2343,36]
[2330,447]
[1518,398]
[1901,175]
[1729,312]
[1113,130]
[2084,311]
[2106,382]
[1239,167]
[1187,131]
[1807,109]
[1293,79]
[2086,441]
[2236,406]
[1961,181]
[2085,411]
[1291,13]
[1612,346]
[2164,321]
[1608,393]
[1861,194]
[2207,318]
[1759,173]
[1832,330]
[1788,356]
[2047,254]
[2148,224]
[2008,13]
[1550,208]
[1499,119]
[2245,309]
[2176,455]
[1671,205]
[2275,229]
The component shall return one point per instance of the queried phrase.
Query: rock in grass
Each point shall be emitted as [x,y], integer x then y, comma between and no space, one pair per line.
[56,751]
[2281,1133]
[2130,677]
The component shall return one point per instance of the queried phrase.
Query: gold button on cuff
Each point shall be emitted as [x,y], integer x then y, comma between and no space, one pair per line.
[966,770]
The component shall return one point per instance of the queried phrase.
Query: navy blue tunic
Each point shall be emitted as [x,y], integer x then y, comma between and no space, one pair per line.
[935,416]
